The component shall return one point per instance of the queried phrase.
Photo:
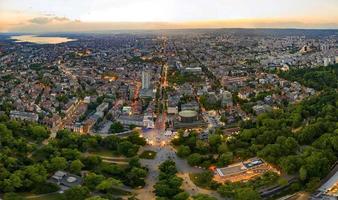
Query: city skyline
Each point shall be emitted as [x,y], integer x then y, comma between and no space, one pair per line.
[57,16]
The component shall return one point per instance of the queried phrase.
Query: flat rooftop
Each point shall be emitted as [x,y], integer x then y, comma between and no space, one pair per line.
[331,186]
[227,171]
[240,167]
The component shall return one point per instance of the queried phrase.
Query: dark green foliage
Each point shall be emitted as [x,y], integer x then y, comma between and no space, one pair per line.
[175,77]
[183,151]
[127,148]
[238,190]
[210,102]
[301,139]
[169,184]
[246,194]
[317,78]
[26,164]
[203,179]
[12,196]
[77,193]
[203,197]
[201,152]
[116,127]
[46,188]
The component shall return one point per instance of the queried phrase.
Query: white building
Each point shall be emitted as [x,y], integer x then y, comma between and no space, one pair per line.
[25,116]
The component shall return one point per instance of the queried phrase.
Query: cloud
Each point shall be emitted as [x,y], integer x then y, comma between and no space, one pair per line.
[40,20]
[46,20]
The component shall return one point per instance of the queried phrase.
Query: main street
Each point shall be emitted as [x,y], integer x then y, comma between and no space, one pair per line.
[160,143]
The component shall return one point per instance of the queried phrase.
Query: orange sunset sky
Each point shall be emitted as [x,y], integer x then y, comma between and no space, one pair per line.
[101,15]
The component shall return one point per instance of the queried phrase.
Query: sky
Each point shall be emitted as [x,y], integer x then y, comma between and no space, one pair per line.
[95,15]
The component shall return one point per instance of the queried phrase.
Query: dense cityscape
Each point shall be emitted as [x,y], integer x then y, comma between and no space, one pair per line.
[178,114]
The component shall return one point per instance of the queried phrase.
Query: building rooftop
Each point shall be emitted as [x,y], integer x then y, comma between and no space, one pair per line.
[188,113]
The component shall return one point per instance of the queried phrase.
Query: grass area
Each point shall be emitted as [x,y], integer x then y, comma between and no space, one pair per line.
[201,180]
[148,154]
[102,153]
[53,196]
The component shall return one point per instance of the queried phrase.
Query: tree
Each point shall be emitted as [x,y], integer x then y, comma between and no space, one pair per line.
[44,188]
[136,139]
[202,147]
[168,167]
[76,166]
[225,158]
[58,163]
[12,183]
[34,174]
[91,162]
[128,149]
[169,184]
[70,154]
[111,142]
[203,179]
[12,196]
[135,177]
[39,132]
[139,172]
[92,180]
[312,185]
[291,164]
[183,151]
[194,159]
[223,148]
[112,169]
[116,127]
[215,140]
[226,190]
[77,193]
[181,196]
[107,184]
[168,187]
[134,162]
[246,194]
[271,152]
[203,197]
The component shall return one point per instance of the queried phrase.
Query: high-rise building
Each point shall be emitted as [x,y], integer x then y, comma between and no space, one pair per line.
[145,79]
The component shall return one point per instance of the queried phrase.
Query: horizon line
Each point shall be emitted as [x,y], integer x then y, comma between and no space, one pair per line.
[173,29]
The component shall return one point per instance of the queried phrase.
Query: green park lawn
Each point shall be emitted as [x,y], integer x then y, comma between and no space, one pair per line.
[148,154]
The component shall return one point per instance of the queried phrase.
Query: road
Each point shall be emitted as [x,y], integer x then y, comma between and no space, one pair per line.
[160,143]
[60,125]
[164,152]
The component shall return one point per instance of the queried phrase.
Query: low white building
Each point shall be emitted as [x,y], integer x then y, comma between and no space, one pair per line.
[25,116]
